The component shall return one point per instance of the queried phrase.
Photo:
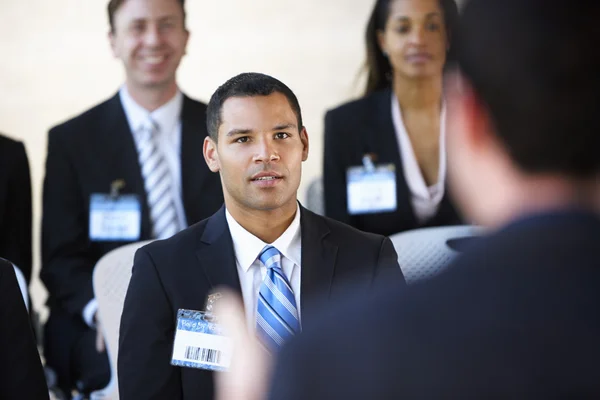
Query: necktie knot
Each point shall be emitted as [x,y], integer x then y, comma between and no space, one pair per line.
[270,257]
[148,129]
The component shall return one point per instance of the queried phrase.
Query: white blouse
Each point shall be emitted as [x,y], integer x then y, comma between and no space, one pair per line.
[425,199]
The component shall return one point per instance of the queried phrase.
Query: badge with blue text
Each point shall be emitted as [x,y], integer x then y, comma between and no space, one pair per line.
[371,188]
[200,342]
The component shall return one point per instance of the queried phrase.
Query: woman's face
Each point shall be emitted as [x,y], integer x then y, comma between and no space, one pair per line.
[414,38]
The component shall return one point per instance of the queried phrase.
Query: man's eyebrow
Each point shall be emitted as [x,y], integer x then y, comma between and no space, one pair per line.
[281,127]
[234,132]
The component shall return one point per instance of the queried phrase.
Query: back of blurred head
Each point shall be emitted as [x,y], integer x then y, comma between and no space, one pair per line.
[524,108]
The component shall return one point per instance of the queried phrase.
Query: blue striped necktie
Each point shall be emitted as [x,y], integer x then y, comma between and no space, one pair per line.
[277,314]
[157,182]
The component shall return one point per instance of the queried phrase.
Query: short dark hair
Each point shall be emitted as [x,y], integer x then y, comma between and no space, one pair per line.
[248,84]
[379,70]
[534,65]
[114,5]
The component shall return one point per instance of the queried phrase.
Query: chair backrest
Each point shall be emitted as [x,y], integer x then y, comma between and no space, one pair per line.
[22,285]
[112,274]
[315,200]
[425,252]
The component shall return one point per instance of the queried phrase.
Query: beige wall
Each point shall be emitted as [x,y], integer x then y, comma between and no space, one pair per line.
[56,63]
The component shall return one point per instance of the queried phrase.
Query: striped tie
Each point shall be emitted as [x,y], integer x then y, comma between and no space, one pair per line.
[157,182]
[277,316]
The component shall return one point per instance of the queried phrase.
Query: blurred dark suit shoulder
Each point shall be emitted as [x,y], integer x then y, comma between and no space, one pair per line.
[15,205]
[22,374]
[514,317]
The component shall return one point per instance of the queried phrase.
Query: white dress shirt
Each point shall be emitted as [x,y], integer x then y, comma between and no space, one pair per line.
[167,118]
[425,199]
[251,272]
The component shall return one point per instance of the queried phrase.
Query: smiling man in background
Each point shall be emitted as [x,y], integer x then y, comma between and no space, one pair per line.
[134,155]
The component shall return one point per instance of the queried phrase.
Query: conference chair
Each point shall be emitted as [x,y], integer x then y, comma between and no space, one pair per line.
[112,274]
[425,252]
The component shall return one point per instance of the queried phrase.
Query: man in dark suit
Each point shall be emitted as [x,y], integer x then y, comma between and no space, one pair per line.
[125,170]
[260,239]
[22,374]
[15,205]
[516,315]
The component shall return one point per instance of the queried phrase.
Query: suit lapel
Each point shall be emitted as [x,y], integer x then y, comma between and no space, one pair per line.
[318,257]
[215,253]
[123,158]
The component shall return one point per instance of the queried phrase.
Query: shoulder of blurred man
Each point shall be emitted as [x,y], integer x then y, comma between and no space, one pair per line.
[445,335]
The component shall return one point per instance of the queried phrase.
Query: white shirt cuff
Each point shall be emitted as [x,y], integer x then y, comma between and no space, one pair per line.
[89,311]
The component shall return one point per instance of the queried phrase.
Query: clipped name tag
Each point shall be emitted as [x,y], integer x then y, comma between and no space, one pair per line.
[200,343]
[115,218]
[371,190]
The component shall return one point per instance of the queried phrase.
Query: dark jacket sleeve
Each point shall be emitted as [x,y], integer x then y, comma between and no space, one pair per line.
[334,171]
[15,241]
[22,374]
[146,337]
[67,262]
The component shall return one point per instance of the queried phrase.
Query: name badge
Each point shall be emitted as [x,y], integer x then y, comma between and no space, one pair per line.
[115,218]
[371,189]
[200,343]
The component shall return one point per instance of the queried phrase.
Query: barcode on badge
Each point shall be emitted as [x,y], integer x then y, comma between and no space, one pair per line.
[203,355]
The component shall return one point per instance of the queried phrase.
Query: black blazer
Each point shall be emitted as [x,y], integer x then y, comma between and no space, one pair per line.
[22,374]
[353,130]
[180,272]
[516,317]
[85,155]
[15,205]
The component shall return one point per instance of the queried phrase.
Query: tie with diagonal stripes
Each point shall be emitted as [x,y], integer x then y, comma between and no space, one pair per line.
[157,182]
[277,314]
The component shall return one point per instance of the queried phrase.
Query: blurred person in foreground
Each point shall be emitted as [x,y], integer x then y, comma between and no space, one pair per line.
[516,316]
[384,163]
[123,171]
[285,261]
[22,375]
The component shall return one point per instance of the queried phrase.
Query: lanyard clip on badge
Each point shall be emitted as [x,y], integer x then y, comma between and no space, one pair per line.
[367,161]
[115,188]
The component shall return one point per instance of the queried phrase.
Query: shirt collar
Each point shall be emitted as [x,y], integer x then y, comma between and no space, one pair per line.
[166,116]
[247,247]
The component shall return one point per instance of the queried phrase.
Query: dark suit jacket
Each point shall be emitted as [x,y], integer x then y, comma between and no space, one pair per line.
[22,374]
[353,130]
[85,155]
[516,317]
[15,205]
[180,272]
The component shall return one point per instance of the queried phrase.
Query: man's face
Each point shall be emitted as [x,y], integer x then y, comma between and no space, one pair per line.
[150,38]
[259,153]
